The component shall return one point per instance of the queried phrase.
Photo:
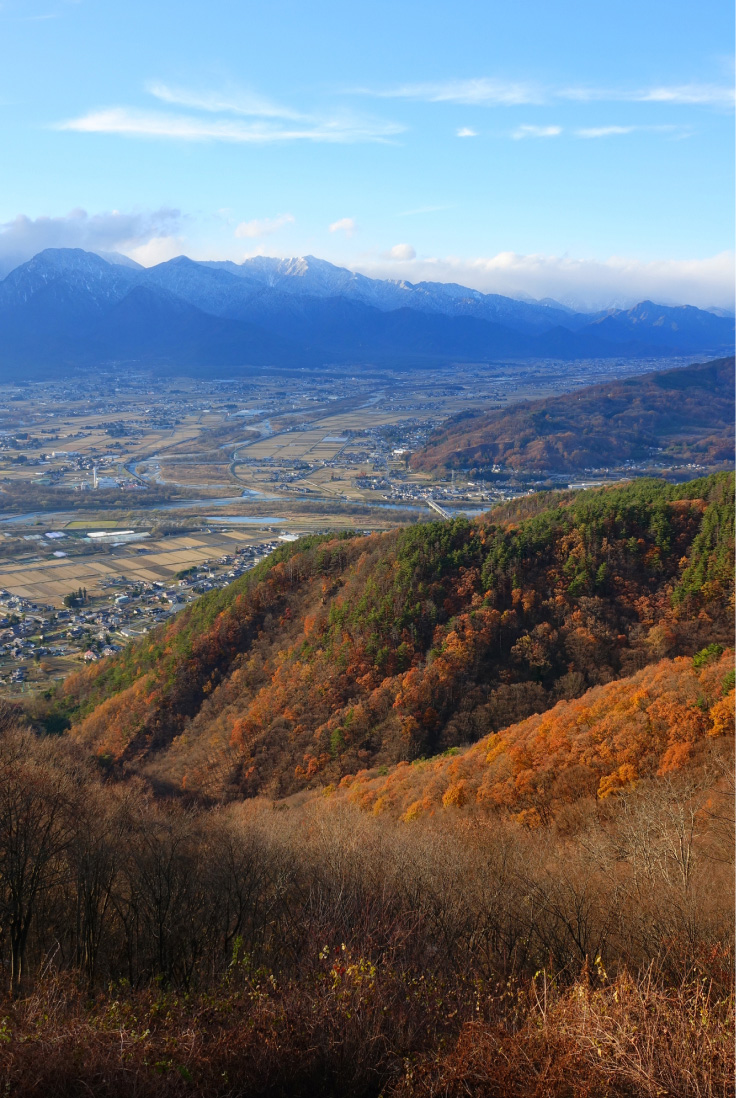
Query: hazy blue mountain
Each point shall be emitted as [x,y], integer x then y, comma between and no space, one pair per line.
[74,271]
[215,290]
[68,307]
[120,259]
[71,308]
[663,326]
[265,290]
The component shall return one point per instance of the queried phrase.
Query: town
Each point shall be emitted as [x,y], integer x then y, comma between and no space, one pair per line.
[40,641]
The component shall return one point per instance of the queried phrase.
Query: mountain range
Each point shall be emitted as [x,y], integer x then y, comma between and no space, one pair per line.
[67,308]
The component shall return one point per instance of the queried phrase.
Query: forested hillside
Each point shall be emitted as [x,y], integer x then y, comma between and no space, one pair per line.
[339,654]
[685,415]
[660,721]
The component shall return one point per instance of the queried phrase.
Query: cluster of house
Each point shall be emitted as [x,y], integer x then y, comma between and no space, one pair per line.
[30,631]
[140,606]
[398,488]
[20,620]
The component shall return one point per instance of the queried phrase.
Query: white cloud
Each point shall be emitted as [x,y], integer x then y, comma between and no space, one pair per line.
[263,226]
[132,123]
[708,95]
[605,131]
[344,225]
[465,131]
[483,91]
[24,237]
[236,102]
[401,252]
[702,95]
[536,131]
[617,131]
[158,250]
[580,283]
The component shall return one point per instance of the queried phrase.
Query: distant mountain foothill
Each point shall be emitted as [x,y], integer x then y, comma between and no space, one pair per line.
[682,415]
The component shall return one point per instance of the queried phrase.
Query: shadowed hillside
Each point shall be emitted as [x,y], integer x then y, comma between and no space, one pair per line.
[687,414]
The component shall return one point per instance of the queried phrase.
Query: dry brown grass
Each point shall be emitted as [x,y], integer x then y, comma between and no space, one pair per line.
[354,1030]
[631,1037]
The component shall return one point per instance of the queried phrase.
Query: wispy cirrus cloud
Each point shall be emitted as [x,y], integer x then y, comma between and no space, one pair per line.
[262,226]
[210,118]
[703,95]
[709,95]
[465,131]
[528,130]
[622,131]
[605,131]
[222,102]
[484,91]
[127,122]
[491,92]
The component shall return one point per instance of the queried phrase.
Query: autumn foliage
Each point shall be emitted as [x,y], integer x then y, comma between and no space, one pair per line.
[660,721]
[340,654]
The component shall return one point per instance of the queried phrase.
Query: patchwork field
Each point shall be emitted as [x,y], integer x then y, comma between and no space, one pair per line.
[50,580]
[320,444]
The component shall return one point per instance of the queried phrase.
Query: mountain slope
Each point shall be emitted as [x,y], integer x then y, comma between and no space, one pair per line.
[659,325]
[311,277]
[686,413]
[338,654]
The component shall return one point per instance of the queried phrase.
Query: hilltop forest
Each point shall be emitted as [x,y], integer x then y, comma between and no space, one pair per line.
[440,811]
[340,654]
[684,415]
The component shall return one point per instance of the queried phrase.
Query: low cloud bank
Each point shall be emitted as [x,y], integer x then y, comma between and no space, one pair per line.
[579,283]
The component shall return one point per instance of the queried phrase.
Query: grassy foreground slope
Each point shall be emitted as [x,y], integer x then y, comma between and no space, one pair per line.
[339,654]
[686,413]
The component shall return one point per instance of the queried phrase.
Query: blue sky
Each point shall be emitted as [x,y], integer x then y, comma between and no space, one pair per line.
[578,149]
